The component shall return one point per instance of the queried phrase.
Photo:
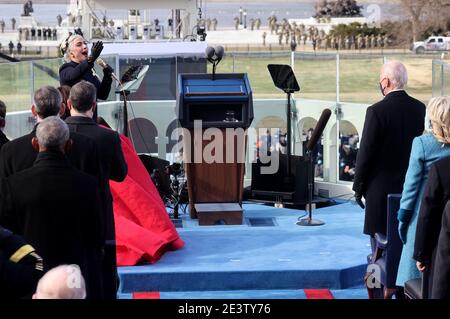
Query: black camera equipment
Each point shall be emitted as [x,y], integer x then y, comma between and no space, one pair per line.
[178,193]
[171,187]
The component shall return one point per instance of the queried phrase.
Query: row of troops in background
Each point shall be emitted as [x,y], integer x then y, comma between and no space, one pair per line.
[38,34]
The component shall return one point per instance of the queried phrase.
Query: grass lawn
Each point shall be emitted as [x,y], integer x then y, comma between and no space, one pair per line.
[317,77]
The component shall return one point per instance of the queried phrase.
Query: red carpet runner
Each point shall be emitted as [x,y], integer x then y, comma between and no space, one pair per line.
[318,294]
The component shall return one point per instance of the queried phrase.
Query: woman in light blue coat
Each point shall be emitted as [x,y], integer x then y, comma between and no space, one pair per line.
[426,149]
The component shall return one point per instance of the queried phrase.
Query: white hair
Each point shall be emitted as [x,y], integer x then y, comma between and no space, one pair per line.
[52,133]
[396,73]
[62,282]
[67,46]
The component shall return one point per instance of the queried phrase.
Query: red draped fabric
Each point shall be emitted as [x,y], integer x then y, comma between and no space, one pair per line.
[144,231]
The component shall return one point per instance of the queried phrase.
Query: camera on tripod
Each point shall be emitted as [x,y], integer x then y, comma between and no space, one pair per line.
[175,169]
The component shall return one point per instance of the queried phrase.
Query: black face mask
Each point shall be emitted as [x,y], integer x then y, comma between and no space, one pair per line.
[381,89]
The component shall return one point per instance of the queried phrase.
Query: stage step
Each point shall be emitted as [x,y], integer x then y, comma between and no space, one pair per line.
[351,293]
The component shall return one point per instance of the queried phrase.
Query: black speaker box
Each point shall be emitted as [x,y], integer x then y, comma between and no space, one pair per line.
[291,188]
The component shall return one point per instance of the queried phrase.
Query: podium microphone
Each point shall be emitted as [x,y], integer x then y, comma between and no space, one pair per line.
[318,130]
[104,65]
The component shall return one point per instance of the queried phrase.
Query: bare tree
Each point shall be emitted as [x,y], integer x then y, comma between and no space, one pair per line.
[425,14]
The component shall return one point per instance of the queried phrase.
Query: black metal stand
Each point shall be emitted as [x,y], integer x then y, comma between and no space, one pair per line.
[125,94]
[309,221]
[288,178]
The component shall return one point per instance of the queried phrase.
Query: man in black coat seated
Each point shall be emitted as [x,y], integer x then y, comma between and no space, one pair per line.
[19,154]
[382,161]
[57,208]
[82,103]
[20,266]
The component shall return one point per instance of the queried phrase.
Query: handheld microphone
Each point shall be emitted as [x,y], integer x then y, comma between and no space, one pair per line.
[318,130]
[104,65]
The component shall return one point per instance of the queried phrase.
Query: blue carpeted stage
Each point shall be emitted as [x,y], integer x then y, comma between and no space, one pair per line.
[260,261]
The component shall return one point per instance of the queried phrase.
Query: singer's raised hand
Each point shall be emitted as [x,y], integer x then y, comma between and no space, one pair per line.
[96,50]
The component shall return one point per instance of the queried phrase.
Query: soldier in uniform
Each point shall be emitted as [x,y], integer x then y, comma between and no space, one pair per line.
[386,40]
[20,266]
[280,38]
[214,24]
[13,23]
[367,40]
[257,23]
[208,24]
[59,20]
[379,40]
[2,25]
[236,23]
[359,41]
[264,35]
[286,35]
[11,47]
[252,24]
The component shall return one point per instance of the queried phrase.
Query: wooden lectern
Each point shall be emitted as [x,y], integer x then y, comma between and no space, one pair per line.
[215,114]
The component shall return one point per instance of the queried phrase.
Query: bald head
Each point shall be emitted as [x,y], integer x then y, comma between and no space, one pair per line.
[393,76]
[62,282]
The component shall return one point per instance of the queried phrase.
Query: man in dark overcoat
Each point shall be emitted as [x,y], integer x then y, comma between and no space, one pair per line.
[57,208]
[430,219]
[82,104]
[441,266]
[382,161]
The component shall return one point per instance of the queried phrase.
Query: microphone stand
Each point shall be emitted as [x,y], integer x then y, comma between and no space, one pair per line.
[125,112]
[288,136]
[124,93]
[309,221]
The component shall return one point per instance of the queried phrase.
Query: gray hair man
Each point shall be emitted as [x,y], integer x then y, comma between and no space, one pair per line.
[52,134]
[61,282]
[393,77]
[47,101]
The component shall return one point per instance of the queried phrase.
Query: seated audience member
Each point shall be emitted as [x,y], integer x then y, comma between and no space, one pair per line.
[62,282]
[19,154]
[57,208]
[20,266]
[3,138]
[426,149]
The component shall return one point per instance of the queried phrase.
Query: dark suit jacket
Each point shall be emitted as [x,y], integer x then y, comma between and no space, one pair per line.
[435,196]
[3,139]
[19,154]
[111,158]
[441,267]
[57,209]
[389,129]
